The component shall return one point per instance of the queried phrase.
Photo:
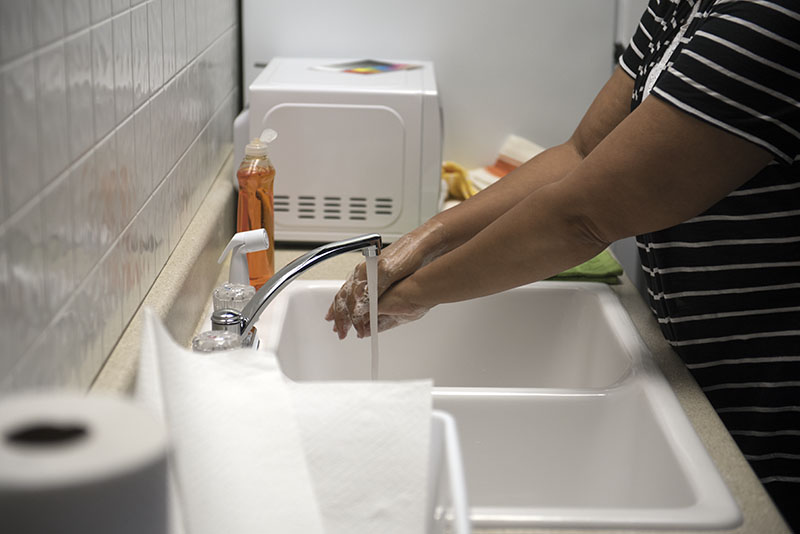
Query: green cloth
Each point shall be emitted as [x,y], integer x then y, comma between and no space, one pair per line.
[603,268]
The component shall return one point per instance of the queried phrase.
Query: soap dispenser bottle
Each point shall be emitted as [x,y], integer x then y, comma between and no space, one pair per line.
[256,177]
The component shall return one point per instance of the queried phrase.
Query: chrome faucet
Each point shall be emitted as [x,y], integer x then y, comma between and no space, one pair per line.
[244,323]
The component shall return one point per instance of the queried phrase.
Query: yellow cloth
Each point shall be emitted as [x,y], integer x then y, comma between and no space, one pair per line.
[458,185]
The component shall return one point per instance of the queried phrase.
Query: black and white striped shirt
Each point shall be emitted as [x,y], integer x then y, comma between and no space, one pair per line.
[725,285]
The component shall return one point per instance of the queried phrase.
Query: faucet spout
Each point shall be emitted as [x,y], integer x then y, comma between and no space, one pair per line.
[368,244]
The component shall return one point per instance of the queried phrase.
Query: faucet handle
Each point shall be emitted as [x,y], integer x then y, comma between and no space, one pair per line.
[227,319]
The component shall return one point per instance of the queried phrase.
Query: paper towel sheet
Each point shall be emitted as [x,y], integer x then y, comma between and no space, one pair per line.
[368,447]
[149,394]
[239,461]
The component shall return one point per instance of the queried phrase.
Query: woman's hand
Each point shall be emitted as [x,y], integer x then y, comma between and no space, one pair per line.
[398,306]
[350,306]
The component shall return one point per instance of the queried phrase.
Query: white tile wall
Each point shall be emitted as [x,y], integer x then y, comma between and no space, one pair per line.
[115,118]
[80,103]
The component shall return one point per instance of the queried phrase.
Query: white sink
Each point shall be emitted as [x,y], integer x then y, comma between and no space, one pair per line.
[537,336]
[564,420]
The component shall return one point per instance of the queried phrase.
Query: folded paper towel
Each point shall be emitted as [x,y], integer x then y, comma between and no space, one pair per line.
[238,463]
[257,453]
[367,447]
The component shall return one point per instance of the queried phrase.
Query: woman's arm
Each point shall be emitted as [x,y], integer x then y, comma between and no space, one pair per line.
[455,226]
[608,109]
[657,168]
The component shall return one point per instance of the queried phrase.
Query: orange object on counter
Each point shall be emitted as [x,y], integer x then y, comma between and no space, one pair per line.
[256,177]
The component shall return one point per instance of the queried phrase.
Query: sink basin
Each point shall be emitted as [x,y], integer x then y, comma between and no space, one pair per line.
[610,460]
[564,420]
[562,341]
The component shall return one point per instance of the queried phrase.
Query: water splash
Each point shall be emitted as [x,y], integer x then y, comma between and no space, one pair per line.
[372,291]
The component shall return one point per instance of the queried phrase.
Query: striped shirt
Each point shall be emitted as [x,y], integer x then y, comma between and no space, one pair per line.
[725,285]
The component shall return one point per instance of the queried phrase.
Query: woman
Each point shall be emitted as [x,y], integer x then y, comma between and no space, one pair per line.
[692,146]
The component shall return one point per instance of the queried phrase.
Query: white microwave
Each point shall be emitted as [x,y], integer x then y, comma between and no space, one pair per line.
[355,152]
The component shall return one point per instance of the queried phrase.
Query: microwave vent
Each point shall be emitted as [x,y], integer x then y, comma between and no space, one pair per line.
[329,209]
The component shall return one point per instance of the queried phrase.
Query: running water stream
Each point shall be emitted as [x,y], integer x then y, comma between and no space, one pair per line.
[372,292]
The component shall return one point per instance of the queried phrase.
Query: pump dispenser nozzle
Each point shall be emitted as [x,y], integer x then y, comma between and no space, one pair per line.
[257,147]
[239,245]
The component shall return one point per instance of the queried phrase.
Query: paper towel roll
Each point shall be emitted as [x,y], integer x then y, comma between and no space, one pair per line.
[71,463]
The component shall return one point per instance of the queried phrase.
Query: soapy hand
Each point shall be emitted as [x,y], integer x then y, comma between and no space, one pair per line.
[350,306]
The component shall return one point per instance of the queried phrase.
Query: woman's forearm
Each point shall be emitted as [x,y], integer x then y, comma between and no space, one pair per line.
[462,222]
[609,108]
[540,236]
[639,179]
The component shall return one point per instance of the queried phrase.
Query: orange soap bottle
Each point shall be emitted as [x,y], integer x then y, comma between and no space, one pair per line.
[256,177]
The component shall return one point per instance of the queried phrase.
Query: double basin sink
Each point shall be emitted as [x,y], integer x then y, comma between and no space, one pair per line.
[564,420]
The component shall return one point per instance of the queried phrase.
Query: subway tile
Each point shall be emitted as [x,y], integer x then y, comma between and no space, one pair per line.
[89,308]
[200,25]
[24,243]
[19,134]
[141,59]
[86,233]
[145,176]
[161,219]
[77,15]
[182,124]
[144,228]
[110,282]
[101,10]
[106,209]
[48,21]
[155,44]
[58,251]
[71,354]
[103,79]
[197,188]
[16,28]
[52,112]
[132,271]
[179,177]
[191,98]
[172,123]
[118,6]
[180,33]
[46,364]
[3,194]
[86,308]
[191,29]
[127,188]
[80,104]
[54,359]
[123,73]
[173,205]
[11,350]
[136,2]
[168,31]
[158,126]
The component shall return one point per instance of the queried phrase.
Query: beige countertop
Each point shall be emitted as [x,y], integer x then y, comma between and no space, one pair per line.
[181,293]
